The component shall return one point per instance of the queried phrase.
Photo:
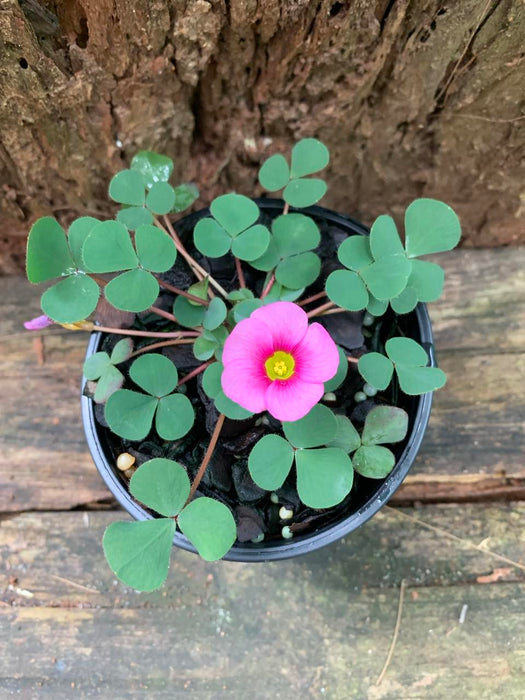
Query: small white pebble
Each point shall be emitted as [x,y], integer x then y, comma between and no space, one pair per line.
[285,513]
[359,396]
[286,533]
[368,319]
[118,143]
[258,538]
[125,461]
[369,390]
[329,396]
[274,498]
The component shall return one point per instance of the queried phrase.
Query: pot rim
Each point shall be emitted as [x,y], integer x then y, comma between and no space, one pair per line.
[301,544]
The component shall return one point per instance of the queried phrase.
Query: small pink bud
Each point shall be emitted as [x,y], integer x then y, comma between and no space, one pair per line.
[36,324]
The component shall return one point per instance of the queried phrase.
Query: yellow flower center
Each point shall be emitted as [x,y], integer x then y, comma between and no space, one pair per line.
[280,365]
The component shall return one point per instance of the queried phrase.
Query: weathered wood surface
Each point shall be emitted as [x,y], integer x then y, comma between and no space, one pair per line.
[474,447]
[412,98]
[318,626]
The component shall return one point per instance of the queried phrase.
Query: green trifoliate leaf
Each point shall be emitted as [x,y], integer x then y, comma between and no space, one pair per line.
[48,254]
[245,308]
[77,234]
[133,217]
[274,173]
[185,195]
[155,249]
[280,293]
[122,351]
[161,198]
[110,381]
[324,476]
[215,314]
[162,485]
[153,167]
[376,307]
[230,409]
[419,380]
[269,259]
[188,314]
[376,369]
[252,243]
[299,270]
[270,461]
[385,424]
[384,238]
[341,373]
[309,156]
[108,248]
[406,351]
[127,187]
[211,379]
[139,553]
[209,526]
[387,277]
[234,212]
[70,300]
[175,416]
[430,227]
[154,373]
[354,253]
[318,427]
[426,279]
[204,347]
[347,438]
[211,239]
[130,414]
[404,302]
[346,289]
[240,295]
[295,233]
[304,193]
[134,291]
[95,365]
[373,461]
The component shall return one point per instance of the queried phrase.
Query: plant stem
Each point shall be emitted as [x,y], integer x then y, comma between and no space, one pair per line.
[285,210]
[352,360]
[320,309]
[163,344]
[199,271]
[207,456]
[240,273]
[194,372]
[334,311]
[266,290]
[144,334]
[164,314]
[314,297]
[182,293]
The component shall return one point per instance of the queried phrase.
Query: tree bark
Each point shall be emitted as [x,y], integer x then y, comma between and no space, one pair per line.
[413,97]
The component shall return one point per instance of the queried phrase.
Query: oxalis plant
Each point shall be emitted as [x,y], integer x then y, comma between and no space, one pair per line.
[261,353]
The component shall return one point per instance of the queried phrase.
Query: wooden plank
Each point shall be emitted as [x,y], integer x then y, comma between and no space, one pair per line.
[319,626]
[473,449]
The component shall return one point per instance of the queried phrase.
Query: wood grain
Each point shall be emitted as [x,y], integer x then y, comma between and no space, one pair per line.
[475,444]
[323,621]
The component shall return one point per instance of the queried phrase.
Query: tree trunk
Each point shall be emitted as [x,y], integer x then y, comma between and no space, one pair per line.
[413,97]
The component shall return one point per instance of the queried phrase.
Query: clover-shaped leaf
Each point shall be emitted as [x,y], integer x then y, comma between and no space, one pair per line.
[410,361]
[324,476]
[340,375]
[317,427]
[156,251]
[162,485]
[71,300]
[133,217]
[347,438]
[101,367]
[210,527]
[127,187]
[133,291]
[130,414]
[77,234]
[431,226]
[161,198]
[383,424]
[215,314]
[187,314]
[270,461]
[346,289]
[185,195]
[108,248]
[152,167]
[211,383]
[374,461]
[232,227]
[308,157]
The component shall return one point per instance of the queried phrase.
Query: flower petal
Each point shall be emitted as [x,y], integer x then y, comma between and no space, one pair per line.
[316,356]
[293,398]
[249,343]
[247,387]
[36,324]
[287,322]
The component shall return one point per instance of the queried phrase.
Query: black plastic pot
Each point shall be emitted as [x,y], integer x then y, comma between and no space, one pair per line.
[421,330]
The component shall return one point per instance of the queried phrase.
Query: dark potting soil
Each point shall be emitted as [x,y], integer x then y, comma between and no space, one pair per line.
[227,478]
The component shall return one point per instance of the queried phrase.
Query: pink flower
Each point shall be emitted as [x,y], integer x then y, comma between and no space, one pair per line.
[36,324]
[273,361]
